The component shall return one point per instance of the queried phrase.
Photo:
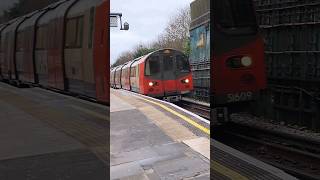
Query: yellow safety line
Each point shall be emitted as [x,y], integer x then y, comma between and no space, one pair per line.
[206,130]
[97,115]
[215,165]
[226,171]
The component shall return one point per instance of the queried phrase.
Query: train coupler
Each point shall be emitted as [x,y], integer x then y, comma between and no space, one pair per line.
[172,98]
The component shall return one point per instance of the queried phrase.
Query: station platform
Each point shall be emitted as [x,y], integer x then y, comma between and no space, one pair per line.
[152,139]
[46,135]
[149,142]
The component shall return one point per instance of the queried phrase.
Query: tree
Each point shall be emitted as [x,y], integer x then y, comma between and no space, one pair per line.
[142,50]
[175,35]
[123,58]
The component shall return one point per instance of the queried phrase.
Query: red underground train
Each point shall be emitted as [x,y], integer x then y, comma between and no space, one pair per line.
[64,46]
[163,74]
[238,71]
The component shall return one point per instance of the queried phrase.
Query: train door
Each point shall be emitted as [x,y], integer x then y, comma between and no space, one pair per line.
[169,74]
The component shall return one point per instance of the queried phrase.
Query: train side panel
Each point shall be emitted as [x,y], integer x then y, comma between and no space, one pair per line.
[55,57]
[49,47]
[134,77]
[8,65]
[26,37]
[125,79]
[123,76]
[78,53]
[118,77]
[113,76]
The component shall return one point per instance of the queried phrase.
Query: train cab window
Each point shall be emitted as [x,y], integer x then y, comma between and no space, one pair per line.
[231,14]
[182,64]
[152,66]
[167,63]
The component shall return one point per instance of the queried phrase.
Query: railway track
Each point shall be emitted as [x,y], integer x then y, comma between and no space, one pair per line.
[293,154]
[199,108]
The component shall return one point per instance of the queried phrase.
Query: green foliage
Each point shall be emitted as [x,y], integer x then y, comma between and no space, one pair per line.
[141,51]
[187,47]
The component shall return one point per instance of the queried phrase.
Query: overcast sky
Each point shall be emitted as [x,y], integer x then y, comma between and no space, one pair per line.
[147,19]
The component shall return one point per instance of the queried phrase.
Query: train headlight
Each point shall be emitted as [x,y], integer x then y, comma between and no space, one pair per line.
[239,62]
[246,61]
[186,81]
[151,84]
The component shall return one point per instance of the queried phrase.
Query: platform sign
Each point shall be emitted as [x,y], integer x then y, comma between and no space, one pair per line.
[113,21]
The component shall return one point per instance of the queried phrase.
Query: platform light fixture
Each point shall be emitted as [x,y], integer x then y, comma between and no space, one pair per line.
[114,21]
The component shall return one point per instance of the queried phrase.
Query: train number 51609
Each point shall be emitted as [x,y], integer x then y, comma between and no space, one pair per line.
[241,96]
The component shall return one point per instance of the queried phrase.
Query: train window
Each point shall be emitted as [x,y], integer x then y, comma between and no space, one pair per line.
[235,13]
[152,66]
[20,41]
[80,32]
[74,32]
[133,72]
[168,63]
[182,64]
[41,37]
[71,32]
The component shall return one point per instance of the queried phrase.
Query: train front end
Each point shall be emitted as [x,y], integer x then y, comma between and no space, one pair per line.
[167,75]
[238,68]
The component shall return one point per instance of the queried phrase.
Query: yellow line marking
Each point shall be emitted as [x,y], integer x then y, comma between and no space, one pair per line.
[190,121]
[226,171]
[87,111]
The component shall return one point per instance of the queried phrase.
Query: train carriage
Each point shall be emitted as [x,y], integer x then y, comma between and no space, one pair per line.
[63,46]
[163,73]
[237,68]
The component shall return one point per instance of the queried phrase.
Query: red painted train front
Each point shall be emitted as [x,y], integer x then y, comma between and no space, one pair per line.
[164,73]
[64,46]
[238,68]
